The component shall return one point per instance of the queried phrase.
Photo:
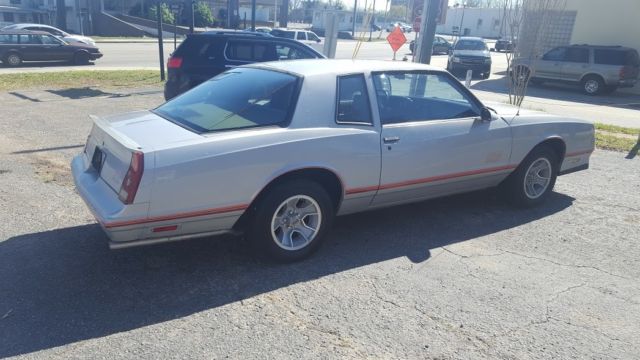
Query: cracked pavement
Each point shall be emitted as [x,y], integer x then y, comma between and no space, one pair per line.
[459,277]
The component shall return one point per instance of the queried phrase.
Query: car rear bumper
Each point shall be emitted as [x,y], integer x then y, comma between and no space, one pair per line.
[627,83]
[103,201]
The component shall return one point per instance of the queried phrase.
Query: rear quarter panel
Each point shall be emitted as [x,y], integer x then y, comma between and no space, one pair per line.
[531,130]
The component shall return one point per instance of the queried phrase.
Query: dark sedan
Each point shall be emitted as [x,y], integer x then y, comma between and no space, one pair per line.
[440,45]
[20,46]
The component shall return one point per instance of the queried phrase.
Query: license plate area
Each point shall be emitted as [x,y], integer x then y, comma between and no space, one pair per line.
[97,160]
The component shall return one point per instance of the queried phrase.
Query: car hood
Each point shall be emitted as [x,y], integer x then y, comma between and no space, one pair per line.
[512,115]
[79,38]
[478,53]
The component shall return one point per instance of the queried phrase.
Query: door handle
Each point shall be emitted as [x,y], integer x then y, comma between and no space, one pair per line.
[391,140]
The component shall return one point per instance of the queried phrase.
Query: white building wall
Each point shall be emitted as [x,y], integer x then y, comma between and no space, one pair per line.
[475,21]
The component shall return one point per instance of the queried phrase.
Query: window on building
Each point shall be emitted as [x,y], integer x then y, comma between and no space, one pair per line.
[8,17]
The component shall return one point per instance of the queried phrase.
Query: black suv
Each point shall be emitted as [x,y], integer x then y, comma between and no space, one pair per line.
[17,46]
[203,56]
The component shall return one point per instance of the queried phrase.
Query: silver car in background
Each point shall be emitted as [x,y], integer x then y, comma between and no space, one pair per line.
[597,69]
[276,150]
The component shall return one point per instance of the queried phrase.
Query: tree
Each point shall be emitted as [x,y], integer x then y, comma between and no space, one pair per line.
[202,15]
[167,15]
[529,22]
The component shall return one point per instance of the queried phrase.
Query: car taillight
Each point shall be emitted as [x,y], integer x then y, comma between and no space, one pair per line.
[174,62]
[132,180]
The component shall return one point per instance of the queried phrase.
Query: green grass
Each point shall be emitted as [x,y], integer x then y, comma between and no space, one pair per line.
[615,143]
[82,78]
[617,129]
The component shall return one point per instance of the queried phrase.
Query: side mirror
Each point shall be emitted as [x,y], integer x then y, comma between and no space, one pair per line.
[485,114]
[318,40]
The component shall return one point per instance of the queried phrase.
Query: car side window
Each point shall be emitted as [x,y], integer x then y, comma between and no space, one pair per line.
[286,52]
[8,39]
[352,100]
[301,35]
[49,40]
[250,51]
[578,55]
[31,39]
[312,36]
[557,54]
[421,96]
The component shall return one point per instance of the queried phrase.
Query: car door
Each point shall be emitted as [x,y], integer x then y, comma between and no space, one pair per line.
[576,64]
[551,64]
[31,48]
[433,140]
[55,49]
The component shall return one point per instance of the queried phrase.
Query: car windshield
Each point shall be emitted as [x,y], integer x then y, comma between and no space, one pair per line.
[239,98]
[470,45]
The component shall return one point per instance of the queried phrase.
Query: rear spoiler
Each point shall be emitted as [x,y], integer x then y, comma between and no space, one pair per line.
[111,131]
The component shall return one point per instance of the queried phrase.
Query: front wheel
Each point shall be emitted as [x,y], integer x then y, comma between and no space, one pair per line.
[593,85]
[532,182]
[291,220]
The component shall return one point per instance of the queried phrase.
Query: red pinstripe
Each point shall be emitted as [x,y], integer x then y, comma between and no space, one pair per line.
[221,210]
[429,179]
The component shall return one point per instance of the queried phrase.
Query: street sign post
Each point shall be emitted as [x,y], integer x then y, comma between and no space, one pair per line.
[396,39]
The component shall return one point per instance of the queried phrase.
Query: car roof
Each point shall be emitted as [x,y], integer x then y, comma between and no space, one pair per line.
[472,38]
[308,67]
[24,25]
[23,32]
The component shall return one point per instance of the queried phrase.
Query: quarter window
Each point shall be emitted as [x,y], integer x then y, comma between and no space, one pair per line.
[418,96]
[352,104]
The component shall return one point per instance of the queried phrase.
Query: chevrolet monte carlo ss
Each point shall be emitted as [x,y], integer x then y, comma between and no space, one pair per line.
[276,150]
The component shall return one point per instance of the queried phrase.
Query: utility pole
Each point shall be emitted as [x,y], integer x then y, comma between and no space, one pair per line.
[355,17]
[430,10]
[372,19]
[275,13]
[160,40]
[253,15]
[192,15]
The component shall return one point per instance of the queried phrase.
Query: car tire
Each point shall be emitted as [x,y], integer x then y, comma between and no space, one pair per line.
[13,59]
[278,227]
[522,75]
[593,85]
[533,180]
[81,58]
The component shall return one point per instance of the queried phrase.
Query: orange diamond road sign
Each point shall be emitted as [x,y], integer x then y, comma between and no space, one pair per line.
[396,39]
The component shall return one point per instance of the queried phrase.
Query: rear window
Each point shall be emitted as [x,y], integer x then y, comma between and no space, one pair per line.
[284,34]
[239,98]
[616,57]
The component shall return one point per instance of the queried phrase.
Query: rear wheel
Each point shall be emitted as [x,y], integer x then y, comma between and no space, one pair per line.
[532,182]
[593,85]
[291,220]
[519,75]
[13,59]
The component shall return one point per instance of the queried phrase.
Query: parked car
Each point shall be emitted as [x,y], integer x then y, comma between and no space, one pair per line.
[18,46]
[470,53]
[70,38]
[277,149]
[261,29]
[203,56]
[304,36]
[598,69]
[404,27]
[505,44]
[440,45]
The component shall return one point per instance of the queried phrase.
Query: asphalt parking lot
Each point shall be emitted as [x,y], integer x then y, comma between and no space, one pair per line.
[460,277]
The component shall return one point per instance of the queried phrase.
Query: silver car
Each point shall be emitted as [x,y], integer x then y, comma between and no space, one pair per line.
[276,150]
[598,69]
